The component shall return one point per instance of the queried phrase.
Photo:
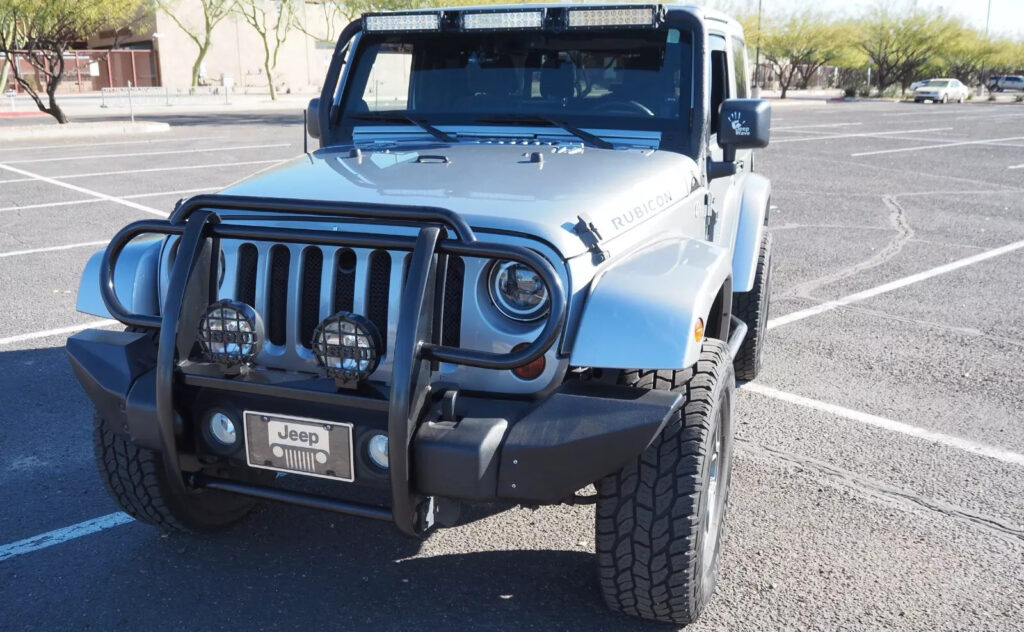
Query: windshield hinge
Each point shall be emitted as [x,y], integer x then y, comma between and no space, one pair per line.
[588,234]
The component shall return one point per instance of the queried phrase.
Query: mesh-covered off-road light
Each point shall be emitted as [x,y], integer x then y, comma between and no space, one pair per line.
[502,20]
[230,333]
[617,16]
[347,346]
[518,291]
[402,22]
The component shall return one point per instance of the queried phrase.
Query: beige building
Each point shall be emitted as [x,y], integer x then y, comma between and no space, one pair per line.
[236,50]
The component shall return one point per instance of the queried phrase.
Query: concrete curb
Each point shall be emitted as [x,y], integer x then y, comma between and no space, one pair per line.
[81,130]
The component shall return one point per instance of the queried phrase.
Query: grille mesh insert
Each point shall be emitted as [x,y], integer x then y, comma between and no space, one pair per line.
[312,271]
[247,258]
[378,292]
[277,307]
[451,318]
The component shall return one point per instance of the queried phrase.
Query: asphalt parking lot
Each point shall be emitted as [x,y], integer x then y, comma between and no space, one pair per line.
[879,479]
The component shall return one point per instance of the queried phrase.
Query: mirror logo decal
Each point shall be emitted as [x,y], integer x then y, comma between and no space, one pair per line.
[739,126]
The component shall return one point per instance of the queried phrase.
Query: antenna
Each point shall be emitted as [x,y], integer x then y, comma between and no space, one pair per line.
[305,131]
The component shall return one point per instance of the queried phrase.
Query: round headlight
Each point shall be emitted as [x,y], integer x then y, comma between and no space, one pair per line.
[518,291]
[230,332]
[347,346]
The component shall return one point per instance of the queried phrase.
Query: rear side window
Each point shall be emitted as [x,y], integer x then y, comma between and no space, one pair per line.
[739,55]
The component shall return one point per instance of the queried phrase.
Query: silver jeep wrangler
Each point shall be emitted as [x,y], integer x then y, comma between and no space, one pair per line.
[529,256]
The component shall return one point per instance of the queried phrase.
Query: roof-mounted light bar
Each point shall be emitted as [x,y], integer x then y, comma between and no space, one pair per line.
[402,22]
[644,15]
[502,20]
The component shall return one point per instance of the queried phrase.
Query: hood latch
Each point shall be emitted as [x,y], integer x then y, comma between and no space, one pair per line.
[588,234]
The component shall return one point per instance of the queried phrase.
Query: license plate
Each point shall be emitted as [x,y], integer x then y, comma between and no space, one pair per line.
[299,445]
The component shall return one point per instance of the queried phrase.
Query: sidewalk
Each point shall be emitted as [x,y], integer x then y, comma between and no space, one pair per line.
[92,105]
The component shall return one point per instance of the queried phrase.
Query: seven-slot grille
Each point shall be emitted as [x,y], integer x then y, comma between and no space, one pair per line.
[294,287]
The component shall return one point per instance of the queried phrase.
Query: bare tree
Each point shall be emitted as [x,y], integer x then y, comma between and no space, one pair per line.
[201,34]
[45,31]
[272,20]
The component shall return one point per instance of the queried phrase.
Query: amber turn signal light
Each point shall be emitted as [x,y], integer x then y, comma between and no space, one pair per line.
[531,370]
[698,331]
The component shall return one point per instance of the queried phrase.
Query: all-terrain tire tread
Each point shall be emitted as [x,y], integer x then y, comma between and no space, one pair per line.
[132,476]
[647,518]
[747,306]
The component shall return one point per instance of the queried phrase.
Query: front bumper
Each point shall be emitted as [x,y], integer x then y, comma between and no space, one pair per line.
[483,448]
[464,447]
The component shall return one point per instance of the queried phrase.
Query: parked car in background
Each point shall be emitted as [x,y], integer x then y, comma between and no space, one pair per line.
[942,91]
[993,81]
[1010,82]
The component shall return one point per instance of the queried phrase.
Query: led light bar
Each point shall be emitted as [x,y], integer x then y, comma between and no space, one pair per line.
[402,22]
[501,20]
[620,16]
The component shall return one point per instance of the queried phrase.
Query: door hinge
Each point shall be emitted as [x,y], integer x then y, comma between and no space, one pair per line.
[590,237]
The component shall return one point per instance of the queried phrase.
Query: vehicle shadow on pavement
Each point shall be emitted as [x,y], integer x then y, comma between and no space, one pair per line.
[283,567]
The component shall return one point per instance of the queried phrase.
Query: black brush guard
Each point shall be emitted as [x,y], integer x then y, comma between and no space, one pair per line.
[193,283]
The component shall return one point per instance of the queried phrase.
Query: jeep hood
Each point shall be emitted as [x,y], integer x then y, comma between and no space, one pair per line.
[496,186]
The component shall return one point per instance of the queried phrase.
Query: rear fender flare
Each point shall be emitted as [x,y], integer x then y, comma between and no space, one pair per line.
[641,312]
[756,196]
[135,280]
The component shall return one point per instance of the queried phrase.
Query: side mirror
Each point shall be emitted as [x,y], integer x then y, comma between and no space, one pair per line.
[313,118]
[743,124]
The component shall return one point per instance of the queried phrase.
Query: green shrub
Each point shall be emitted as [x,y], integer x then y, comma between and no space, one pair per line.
[850,92]
[1019,98]
[991,97]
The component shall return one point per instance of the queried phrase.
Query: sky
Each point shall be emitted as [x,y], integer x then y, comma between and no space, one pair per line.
[1007,15]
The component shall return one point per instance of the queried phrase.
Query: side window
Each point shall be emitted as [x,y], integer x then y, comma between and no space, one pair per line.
[739,59]
[719,80]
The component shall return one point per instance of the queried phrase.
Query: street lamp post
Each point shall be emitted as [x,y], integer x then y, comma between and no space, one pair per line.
[757,55]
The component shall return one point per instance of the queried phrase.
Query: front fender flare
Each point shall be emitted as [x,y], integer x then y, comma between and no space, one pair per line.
[135,280]
[757,193]
[641,312]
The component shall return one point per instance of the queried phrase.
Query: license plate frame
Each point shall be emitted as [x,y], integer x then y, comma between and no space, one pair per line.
[298,452]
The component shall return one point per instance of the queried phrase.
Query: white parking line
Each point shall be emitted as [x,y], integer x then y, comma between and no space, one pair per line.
[863,135]
[1016,167]
[147,153]
[795,127]
[153,170]
[893,285]
[134,196]
[57,536]
[120,142]
[96,194]
[93,324]
[959,443]
[940,146]
[16,253]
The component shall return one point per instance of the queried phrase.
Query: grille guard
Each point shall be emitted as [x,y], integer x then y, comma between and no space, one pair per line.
[193,286]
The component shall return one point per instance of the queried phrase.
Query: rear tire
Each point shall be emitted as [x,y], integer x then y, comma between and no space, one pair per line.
[659,520]
[752,308]
[137,481]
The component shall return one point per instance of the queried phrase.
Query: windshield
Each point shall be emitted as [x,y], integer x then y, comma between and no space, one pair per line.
[937,84]
[627,79]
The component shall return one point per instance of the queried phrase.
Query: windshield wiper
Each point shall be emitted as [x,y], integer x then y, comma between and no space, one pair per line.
[399,117]
[583,135]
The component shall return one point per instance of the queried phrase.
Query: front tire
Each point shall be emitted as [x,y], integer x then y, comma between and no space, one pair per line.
[752,308]
[137,481]
[659,520]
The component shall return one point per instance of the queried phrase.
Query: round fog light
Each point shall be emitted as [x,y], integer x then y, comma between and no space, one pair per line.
[230,333]
[348,346]
[377,447]
[223,429]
